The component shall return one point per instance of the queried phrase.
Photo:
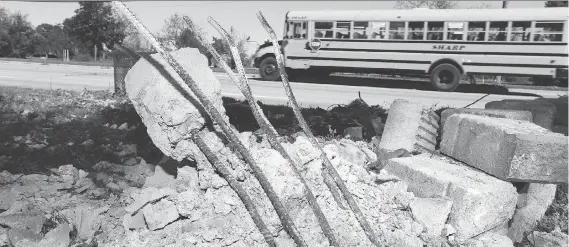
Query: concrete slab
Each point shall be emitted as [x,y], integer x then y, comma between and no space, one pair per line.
[497,113]
[511,150]
[480,202]
[543,111]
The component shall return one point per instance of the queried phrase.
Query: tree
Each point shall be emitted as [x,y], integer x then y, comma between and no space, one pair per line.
[52,39]
[426,4]
[550,4]
[93,24]
[17,36]
[177,30]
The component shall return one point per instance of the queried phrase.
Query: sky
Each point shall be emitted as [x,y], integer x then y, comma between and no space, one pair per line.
[239,14]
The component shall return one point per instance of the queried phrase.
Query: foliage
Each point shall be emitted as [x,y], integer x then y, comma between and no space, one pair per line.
[549,4]
[426,4]
[177,31]
[52,39]
[17,36]
[93,24]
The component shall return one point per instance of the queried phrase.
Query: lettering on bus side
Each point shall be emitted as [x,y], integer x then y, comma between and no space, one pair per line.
[449,47]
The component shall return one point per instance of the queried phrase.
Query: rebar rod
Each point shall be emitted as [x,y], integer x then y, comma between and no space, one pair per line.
[216,116]
[272,135]
[333,173]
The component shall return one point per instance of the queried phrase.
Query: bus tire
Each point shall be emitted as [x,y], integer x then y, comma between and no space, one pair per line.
[445,77]
[269,69]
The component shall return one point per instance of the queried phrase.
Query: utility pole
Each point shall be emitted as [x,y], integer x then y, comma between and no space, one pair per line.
[504,6]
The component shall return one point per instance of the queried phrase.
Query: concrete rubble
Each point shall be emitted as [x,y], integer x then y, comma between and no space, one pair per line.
[462,197]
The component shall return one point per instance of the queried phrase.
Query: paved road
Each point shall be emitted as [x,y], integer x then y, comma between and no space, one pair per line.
[75,77]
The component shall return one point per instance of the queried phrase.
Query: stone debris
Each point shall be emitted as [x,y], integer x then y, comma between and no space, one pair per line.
[543,112]
[537,199]
[146,196]
[480,201]
[431,212]
[552,239]
[508,149]
[159,214]
[410,126]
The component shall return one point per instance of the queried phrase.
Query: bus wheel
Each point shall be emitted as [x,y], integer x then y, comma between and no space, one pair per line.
[445,77]
[269,69]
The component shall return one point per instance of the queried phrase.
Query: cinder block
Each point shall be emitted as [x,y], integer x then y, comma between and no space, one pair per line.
[409,126]
[497,113]
[480,202]
[511,150]
[543,112]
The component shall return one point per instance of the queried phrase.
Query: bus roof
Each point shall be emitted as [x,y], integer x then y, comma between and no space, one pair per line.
[521,14]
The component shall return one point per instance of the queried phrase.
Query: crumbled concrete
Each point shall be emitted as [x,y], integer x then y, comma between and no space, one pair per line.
[543,112]
[166,104]
[23,238]
[160,179]
[431,212]
[134,222]
[58,237]
[497,113]
[508,149]
[480,201]
[147,195]
[409,124]
[494,240]
[160,214]
[24,216]
[552,239]
[4,236]
[538,198]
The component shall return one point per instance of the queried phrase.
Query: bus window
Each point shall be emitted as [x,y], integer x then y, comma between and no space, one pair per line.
[324,29]
[296,30]
[520,31]
[476,31]
[360,29]
[548,31]
[416,30]
[343,29]
[455,30]
[377,30]
[397,30]
[435,30]
[498,31]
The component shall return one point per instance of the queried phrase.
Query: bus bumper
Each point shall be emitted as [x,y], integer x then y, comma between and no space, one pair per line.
[561,73]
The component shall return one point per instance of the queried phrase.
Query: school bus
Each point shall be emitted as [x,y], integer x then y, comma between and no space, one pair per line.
[443,44]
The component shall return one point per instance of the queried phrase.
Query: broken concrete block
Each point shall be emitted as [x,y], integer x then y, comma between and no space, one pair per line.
[160,214]
[511,150]
[135,222]
[409,126]
[431,212]
[166,104]
[480,202]
[147,195]
[538,199]
[543,112]
[497,113]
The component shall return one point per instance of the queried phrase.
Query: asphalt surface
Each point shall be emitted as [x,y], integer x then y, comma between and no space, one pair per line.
[77,77]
